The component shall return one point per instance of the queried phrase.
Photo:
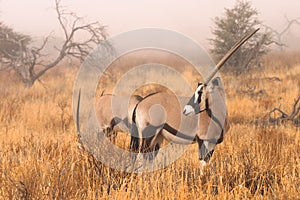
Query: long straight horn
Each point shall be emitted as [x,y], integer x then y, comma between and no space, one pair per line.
[227,56]
[77,112]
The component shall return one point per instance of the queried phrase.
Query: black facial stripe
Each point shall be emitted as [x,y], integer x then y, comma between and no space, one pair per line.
[199,97]
[195,102]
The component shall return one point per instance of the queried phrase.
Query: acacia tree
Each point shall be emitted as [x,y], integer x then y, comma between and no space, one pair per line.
[29,62]
[236,23]
[11,45]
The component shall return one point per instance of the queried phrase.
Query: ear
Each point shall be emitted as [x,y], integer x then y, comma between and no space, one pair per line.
[216,81]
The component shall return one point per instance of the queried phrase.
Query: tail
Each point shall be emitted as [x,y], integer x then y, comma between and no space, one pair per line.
[134,140]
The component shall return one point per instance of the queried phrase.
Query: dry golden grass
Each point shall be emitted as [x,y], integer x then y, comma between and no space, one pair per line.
[41,159]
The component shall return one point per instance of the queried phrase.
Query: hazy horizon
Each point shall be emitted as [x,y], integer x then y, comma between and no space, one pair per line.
[192,18]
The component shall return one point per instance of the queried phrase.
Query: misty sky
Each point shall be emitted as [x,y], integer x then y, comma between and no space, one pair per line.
[192,18]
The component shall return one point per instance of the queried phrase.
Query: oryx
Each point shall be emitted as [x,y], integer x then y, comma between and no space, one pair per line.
[159,116]
[112,110]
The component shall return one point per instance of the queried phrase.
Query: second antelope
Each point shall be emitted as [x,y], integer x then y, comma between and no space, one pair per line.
[112,111]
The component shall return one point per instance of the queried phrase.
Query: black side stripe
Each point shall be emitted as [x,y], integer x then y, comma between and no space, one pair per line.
[210,114]
[150,95]
[176,133]
[134,114]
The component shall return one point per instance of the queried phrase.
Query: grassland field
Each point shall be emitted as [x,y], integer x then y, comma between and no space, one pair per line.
[40,156]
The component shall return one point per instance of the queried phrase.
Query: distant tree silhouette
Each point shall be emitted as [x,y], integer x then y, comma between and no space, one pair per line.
[12,46]
[236,23]
[29,63]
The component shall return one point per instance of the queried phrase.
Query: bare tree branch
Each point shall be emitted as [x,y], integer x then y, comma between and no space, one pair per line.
[278,35]
[272,118]
[30,63]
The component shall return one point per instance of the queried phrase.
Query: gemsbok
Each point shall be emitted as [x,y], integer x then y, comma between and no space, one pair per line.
[159,116]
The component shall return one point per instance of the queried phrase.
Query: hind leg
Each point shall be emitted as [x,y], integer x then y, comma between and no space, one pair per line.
[151,142]
[149,151]
[134,142]
[134,138]
[111,133]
